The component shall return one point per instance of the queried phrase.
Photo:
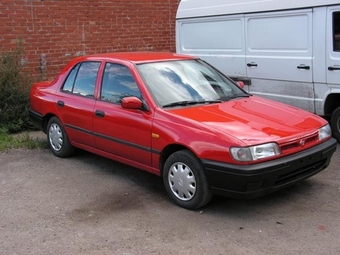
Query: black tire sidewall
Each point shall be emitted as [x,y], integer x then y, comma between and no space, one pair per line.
[334,124]
[66,149]
[203,193]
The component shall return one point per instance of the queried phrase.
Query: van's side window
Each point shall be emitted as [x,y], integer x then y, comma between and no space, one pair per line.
[336,31]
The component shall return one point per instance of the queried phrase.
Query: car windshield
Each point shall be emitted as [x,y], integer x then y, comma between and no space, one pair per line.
[187,82]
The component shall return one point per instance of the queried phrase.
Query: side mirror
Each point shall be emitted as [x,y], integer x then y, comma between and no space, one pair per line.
[240,84]
[131,103]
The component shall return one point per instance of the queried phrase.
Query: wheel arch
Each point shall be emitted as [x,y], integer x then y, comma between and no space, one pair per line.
[46,119]
[332,113]
[331,103]
[167,151]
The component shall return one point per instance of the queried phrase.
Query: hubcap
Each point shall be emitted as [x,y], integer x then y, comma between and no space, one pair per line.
[182,181]
[56,137]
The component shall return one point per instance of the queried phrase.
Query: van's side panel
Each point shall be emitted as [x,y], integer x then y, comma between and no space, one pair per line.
[291,49]
[218,40]
[319,61]
[279,53]
[327,56]
[319,44]
[279,43]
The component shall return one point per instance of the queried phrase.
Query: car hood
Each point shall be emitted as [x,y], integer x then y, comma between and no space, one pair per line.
[254,119]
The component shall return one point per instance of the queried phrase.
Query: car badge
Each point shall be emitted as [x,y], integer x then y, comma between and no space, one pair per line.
[302,142]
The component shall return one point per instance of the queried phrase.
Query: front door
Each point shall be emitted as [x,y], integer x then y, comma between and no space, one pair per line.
[123,133]
[333,45]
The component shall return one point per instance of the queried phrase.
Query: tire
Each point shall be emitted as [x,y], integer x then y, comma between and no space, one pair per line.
[335,124]
[185,180]
[58,139]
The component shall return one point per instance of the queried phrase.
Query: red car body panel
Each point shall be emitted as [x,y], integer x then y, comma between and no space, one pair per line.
[256,116]
[141,138]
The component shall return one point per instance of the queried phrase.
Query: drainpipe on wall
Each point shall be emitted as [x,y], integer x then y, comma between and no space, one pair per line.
[42,66]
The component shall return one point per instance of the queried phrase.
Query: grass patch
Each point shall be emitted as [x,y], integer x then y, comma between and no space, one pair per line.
[22,140]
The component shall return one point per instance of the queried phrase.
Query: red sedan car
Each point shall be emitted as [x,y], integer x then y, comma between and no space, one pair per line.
[177,117]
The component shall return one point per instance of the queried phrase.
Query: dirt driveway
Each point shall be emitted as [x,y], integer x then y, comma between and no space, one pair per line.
[90,205]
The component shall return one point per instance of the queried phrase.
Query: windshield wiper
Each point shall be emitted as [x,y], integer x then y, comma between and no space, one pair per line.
[226,98]
[187,102]
[180,103]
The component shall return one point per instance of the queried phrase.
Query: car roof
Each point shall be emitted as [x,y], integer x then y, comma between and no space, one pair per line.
[138,57]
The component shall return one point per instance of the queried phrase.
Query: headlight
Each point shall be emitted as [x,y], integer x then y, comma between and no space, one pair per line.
[255,152]
[325,132]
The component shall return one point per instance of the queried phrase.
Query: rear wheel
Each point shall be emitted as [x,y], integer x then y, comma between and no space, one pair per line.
[58,139]
[335,124]
[185,180]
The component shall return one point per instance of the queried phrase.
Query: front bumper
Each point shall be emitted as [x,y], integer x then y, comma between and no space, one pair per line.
[256,180]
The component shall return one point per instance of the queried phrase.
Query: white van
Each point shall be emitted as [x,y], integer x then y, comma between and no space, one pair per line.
[285,50]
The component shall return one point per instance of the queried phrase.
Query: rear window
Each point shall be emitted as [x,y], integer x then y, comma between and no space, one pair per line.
[82,79]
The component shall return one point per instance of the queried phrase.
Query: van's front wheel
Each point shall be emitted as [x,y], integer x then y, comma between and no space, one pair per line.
[335,124]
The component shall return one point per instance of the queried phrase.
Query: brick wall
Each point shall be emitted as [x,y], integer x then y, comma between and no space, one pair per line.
[54,31]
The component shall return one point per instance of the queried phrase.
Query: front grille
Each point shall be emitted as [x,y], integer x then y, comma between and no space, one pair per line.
[299,143]
[312,139]
[289,146]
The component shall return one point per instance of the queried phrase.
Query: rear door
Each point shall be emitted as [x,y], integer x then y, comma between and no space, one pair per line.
[76,102]
[333,45]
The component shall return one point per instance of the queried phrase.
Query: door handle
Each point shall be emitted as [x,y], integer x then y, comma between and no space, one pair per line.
[333,68]
[251,64]
[303,67]
[60,103]
[99,113]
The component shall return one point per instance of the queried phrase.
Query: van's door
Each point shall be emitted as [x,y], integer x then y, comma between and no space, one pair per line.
[217,40]
[333,45]
[279,54]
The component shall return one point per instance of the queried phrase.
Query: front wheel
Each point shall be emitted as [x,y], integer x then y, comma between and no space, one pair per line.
[58,139]
[335,124]
[185,180]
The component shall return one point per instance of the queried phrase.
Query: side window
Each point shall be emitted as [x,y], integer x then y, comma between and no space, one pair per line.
[86,79]
[68,85]
[336,31]
[82,79]
[118,83]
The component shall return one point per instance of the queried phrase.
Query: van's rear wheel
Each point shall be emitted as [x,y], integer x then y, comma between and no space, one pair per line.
[185,180]
[335,124]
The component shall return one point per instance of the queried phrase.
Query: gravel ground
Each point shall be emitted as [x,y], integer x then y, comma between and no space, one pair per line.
[91,205]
